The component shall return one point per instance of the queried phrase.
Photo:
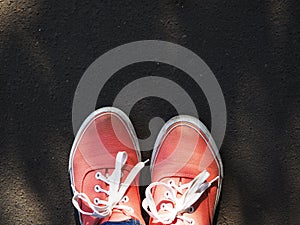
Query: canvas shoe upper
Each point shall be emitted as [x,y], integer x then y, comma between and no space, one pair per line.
[104,165]
[186,174]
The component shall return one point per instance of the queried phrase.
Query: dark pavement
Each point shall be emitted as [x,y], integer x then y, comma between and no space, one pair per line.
[252,47]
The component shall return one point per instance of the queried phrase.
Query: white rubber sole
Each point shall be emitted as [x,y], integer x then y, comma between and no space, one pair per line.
[208,139]
[91,118]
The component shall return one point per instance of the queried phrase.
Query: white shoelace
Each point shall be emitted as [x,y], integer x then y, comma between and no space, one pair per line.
[116,191]
[194,190]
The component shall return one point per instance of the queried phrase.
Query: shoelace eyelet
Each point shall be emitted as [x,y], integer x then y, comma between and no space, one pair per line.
[96,201]
[97,188]
[163,206]
[192,222]
[125,199]
[113,193]
[191,209]
[171,182]
[167,194]
[98,175]
[188,192]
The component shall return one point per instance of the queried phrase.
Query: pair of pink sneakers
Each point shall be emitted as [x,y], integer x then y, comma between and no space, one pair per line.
[104,166]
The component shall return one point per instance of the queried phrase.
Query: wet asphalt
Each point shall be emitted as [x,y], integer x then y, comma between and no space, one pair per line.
[252,48]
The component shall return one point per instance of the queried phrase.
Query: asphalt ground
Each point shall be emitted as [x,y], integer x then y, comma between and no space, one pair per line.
[251,46]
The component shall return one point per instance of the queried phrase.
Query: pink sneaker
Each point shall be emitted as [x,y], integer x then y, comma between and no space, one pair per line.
[104,165]
[187,172]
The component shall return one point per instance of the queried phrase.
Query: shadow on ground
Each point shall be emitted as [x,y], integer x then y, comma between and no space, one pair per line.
[252,48]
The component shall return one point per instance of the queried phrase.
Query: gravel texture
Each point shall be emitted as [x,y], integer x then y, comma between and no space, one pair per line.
[251,46]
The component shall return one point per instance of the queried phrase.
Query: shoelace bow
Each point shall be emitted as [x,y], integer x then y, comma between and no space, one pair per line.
[194,190]
[115,193]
